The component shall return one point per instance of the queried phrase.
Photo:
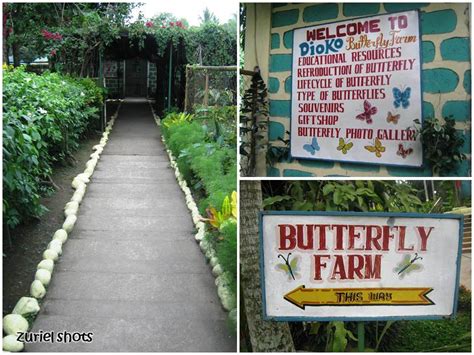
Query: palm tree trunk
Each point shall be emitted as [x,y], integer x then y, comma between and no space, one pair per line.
[265,336]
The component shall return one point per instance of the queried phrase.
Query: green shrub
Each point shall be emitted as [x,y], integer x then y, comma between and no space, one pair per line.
[44,118]
[226,250]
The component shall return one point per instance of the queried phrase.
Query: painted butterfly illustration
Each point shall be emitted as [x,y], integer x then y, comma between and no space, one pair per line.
[290,268]
[377,148]
[313,147]
[404,152]
[343,146]
[392,118]
[369,111]
[401,97]
[408,265]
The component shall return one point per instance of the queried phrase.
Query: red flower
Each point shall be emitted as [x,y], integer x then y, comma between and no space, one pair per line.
[149,24]
[171,24]
[179,24]
[52,53]
[54,36]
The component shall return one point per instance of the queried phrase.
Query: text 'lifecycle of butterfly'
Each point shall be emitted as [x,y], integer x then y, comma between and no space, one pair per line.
[336,261]
[356,92]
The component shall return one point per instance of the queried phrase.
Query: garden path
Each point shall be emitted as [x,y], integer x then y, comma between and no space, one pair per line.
[131,272]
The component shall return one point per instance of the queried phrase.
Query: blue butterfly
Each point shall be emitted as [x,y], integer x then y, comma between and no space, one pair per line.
[313,147]
[401,97]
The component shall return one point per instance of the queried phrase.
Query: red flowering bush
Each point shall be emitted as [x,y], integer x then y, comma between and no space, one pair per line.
[51,36]
[149,24]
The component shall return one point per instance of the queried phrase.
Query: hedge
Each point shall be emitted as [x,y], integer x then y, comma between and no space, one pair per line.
[44,118]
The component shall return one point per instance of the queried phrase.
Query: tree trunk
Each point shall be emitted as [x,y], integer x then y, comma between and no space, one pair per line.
[265,336]
[16,54]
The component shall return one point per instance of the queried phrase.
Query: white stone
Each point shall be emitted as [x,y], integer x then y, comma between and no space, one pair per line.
[26,306]
[37,289]
[217,270]
[14,323]
[50,254]
[56,245]
[213,261]
[70,212]
[46,264]
[60,235]
[44,276]
[227,297]
[76,183]
[11,344]
[68,224]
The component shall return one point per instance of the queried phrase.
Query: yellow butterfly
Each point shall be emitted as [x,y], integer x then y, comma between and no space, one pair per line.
[378,148]
[343,146]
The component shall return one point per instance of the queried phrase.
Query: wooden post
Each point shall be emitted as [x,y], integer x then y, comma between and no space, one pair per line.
[170,74]
[360,337]
[186,91]
[206,90]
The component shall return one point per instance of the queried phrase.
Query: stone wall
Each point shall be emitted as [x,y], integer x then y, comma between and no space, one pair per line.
[114,84]
[151,80]
[446,76]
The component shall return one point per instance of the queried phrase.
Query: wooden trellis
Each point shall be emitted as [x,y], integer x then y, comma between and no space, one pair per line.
[208,76]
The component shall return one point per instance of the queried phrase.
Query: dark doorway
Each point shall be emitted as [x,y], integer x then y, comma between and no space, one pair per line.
[135,77]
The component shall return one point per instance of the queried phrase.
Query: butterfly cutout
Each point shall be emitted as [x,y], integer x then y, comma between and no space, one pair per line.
[392,118]
[369,111]
[408,265]
[343,146]
[401,97]
[313,147]
[377,148]
[404,152]
[290,268]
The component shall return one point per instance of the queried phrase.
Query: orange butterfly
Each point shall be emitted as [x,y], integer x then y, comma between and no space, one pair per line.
[404,152]
[392,118]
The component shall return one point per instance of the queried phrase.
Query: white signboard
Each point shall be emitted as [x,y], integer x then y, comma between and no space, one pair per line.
[359,266]
[356,91]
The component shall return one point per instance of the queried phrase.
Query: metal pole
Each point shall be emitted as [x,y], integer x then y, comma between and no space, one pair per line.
[170,71]
[360,337]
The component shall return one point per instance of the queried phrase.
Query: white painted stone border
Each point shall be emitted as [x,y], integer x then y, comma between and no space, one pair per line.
[29,306]
[226,296]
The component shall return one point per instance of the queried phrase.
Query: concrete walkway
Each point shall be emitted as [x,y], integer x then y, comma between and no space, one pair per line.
[131,272]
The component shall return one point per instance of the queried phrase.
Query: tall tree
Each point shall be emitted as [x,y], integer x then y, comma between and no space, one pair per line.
[265,336]
[208,17]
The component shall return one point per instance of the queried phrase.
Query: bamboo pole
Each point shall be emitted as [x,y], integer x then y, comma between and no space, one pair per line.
[216,68]
[206,91]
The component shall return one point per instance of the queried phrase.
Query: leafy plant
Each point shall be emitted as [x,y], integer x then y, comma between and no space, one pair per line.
[345,196]
[276,154]
[441,145]
[228,211]
[44,118]
[253,121]
[177,118]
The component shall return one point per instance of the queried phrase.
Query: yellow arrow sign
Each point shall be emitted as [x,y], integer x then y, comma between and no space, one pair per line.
[381,296]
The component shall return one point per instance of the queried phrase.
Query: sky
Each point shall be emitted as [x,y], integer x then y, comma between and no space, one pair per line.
[189,9]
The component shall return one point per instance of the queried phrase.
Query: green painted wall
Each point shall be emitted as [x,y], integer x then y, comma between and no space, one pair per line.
[446,75]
